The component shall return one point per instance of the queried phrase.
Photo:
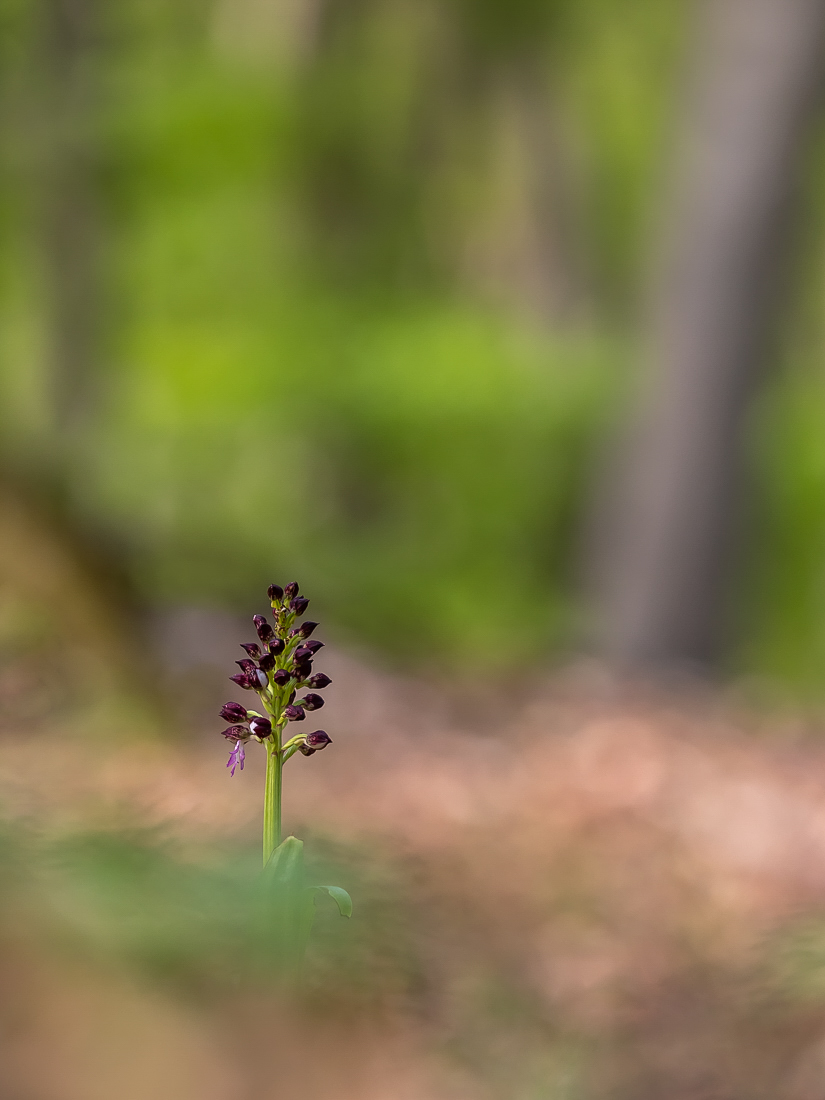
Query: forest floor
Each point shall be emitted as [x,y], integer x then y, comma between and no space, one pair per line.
[595,891]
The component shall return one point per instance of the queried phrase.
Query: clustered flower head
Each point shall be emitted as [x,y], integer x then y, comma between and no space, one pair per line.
[277,667]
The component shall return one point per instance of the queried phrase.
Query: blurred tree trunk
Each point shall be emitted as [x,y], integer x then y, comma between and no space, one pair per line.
[664,544]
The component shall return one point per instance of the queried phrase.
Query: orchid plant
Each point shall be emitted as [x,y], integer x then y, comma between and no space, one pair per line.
[277,667]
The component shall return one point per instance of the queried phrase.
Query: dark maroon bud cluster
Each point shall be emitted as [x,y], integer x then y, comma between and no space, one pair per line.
[276,667]
[314,742]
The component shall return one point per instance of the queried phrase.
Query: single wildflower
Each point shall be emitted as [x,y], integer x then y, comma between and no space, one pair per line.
[276,667]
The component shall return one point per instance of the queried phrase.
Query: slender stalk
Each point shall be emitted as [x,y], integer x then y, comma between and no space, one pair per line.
[272,795]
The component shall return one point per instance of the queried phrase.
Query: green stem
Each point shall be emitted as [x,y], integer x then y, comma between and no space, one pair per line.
[272,795]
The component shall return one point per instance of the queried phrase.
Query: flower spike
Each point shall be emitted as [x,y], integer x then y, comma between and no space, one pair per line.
[277,667]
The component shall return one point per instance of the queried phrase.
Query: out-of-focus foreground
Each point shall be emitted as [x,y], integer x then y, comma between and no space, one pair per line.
[597,895]
[499,325]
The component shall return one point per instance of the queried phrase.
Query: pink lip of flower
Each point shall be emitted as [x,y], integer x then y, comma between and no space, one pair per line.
[236,757]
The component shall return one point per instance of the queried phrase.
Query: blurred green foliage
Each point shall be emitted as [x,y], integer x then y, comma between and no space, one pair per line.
[304,366]
[191,919]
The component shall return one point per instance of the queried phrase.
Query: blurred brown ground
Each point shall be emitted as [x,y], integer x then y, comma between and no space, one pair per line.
[607,895]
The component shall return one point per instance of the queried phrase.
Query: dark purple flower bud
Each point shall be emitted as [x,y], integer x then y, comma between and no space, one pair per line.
[291,590]
[299,605]
[236,757]
[319,680]
[265,631]
[313,645]
[281,677]
[276,646]
[295,630]
[302,653]
[312,702]
[245,665]
[267,662]
[251,648]
[302,669]
[260,727]
[234,712]
[275,593]
[235,733]
[244,680]
[305,629]
[294,714]
[315,741]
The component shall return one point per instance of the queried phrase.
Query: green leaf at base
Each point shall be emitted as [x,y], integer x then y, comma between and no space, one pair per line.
[340,897]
